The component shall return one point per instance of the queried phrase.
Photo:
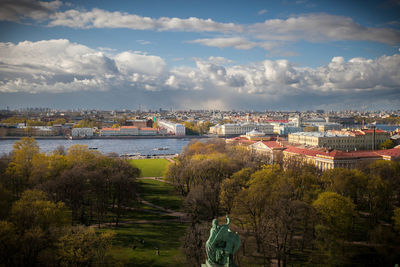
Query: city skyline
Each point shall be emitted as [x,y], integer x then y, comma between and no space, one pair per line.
[284,55]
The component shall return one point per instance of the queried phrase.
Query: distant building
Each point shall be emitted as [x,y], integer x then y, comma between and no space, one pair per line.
[129,130]
[285,129]
[173,128]
[140,123]
[238,129]
[82,132]
[326,160]
[147,131]
[322,158]
[329,126]
[256,135]
[110,132]
[272,149]
[342,140]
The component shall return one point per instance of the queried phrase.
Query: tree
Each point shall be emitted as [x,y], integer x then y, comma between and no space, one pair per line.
[348,183]
[180,175]
[387,144]
[123,187]
[336,212]
[81,246]
[336,215]
[80,154]
[396,219]
[231,186]
[40,169]
[194,242]
[60,150]
[20,168]
[71,187]
[35,220]
[251,203]
[268,205]
[207,172]
[8,243]
[34,209]
[382,190]
[5,202]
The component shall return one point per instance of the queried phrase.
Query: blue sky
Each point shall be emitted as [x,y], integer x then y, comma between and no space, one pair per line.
[256,55]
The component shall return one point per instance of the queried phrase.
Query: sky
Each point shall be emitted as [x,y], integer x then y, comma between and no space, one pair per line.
[226,55]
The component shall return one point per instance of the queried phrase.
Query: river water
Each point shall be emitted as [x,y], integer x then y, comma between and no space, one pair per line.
[119,146]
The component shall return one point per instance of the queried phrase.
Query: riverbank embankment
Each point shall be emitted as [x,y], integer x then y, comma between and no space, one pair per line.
[108,137]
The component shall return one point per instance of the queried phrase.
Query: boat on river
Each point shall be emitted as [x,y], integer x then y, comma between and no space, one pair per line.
[161,148]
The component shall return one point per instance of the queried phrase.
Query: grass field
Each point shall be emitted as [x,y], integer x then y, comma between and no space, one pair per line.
[165,236]
[161,194]
[151,167]
[128,250]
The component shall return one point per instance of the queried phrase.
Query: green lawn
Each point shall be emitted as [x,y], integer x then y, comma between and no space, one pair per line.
[160,193]
[127,249]
[151,167]
[165,236]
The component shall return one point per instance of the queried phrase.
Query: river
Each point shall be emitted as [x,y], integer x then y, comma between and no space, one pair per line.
[119,146]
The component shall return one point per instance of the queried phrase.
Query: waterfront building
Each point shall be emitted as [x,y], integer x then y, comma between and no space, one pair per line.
[129,130]
[147,131]
[238,129]
[82,132]
[23,130]
[173,128]
[110,132]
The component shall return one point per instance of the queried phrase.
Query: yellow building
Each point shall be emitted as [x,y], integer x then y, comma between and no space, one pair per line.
[342,140]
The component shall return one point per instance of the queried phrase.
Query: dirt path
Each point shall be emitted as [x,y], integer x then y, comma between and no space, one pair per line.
[168,212]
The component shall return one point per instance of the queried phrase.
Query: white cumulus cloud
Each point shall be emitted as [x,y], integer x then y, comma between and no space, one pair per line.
[60,66]
[98,18]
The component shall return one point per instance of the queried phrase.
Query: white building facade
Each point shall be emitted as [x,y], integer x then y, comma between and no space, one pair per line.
[238,129]
[82,132]
[174,128]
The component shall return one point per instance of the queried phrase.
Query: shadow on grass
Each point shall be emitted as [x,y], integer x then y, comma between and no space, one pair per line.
[161,194]
[135,245]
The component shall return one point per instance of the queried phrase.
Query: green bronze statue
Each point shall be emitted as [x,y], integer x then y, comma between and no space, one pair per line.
[221,245]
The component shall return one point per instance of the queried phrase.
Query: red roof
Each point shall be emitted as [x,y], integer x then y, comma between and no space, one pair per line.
[357,132]
[376,131]
[128,127]
[281,121]
[302,151]
[147,129]
[337,154]
[272,144]
[352,154]
[110,129]
[394,152]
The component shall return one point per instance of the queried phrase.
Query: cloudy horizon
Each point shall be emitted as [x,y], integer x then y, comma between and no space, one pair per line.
[65,55]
